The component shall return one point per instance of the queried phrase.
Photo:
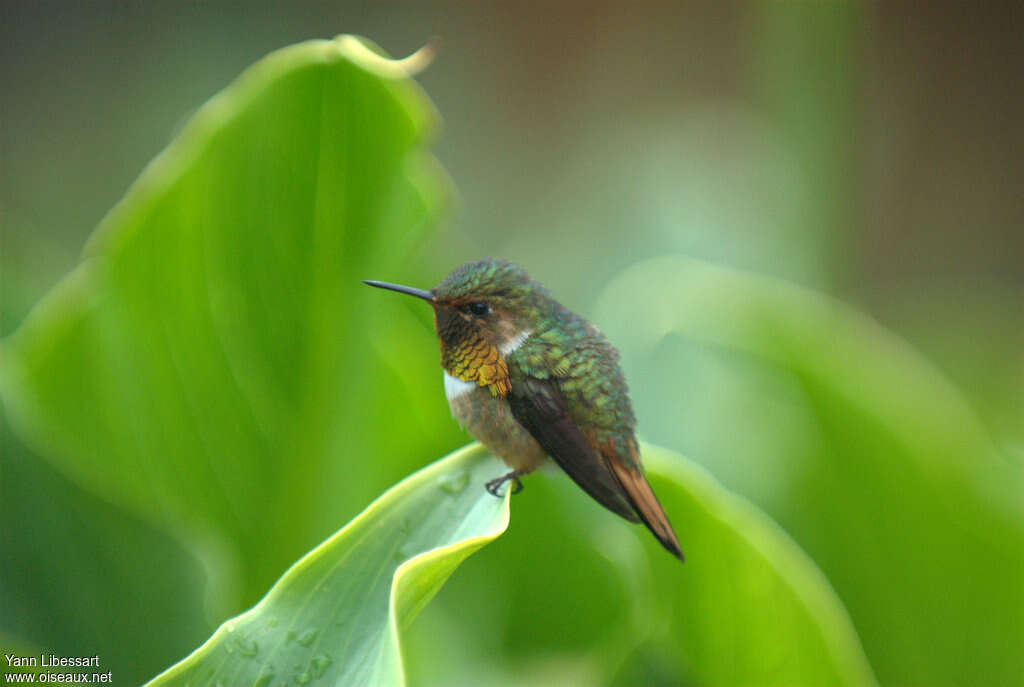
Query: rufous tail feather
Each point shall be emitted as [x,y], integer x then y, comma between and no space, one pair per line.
[644,502]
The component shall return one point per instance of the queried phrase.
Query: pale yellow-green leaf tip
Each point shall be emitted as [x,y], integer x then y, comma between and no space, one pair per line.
[365,54]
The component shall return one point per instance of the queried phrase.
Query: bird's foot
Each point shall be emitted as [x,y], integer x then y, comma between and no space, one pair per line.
[495,484]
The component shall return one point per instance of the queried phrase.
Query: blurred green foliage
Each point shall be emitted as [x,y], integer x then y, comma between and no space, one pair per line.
[83,576]
[229,346]
[882,471]
[212,330]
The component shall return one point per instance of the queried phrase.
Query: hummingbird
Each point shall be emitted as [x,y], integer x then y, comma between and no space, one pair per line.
[530,379]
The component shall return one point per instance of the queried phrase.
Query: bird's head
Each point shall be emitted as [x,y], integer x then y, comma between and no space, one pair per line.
[483,311]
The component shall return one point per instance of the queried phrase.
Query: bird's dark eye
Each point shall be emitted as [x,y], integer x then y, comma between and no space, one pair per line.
[478,308]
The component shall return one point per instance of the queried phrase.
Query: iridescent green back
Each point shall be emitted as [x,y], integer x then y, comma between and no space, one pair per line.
[567,348]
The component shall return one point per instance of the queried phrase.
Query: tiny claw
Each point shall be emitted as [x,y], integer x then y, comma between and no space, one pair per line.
[494,485]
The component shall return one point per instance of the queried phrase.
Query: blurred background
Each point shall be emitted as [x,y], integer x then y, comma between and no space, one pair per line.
[872,153]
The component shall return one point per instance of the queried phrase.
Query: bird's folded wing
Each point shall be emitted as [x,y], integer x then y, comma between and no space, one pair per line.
[540,407]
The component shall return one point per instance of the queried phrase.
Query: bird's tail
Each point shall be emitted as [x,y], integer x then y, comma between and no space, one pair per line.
[643,500]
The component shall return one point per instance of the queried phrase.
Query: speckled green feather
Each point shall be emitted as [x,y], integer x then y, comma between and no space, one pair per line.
[566,347]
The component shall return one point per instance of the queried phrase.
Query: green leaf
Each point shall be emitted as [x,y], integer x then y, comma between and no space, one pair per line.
[214,363]
[336,616]
[573,590]
[854,443]
[748,608]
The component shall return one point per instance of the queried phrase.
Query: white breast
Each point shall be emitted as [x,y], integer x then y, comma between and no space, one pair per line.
[455,387]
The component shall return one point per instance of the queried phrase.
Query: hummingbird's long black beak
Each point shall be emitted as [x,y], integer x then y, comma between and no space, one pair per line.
[419,293]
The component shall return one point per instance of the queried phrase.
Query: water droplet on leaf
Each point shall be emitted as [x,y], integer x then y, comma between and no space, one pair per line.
[454,484]
[319,664]
[247,648]
[265,676]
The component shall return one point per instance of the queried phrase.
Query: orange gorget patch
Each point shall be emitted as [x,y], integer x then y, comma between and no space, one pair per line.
[479,362]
